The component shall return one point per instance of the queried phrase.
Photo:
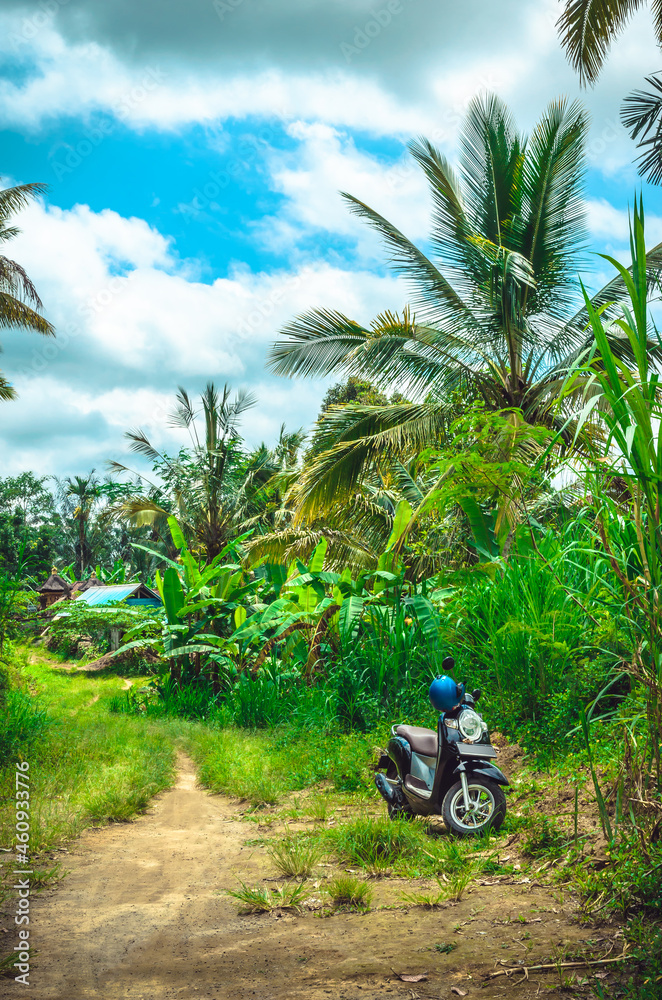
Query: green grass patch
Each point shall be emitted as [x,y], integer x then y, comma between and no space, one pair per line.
[260,899]
[348,893]
[295,857]
[86,765]
[381,845]
[262,767]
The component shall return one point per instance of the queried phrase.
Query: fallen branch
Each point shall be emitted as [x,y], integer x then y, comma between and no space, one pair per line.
[526,969]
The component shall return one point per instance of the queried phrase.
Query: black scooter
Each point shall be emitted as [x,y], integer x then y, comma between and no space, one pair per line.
[449,772]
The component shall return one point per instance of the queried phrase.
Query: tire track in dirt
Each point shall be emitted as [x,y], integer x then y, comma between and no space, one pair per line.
[140,917]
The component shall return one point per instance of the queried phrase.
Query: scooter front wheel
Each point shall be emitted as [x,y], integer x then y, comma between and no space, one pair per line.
[486,807]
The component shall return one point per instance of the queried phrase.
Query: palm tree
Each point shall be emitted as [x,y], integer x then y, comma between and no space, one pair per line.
[588,27]
[83,491]
[202,484]
[497,311]
[19,301]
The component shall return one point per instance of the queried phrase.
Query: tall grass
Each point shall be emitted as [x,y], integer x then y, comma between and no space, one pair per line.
[22,724]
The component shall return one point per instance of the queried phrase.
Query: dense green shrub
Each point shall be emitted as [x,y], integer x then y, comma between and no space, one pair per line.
[79,621]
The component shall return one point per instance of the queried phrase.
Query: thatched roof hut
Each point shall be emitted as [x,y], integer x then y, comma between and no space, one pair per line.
[82,585]
[53,590]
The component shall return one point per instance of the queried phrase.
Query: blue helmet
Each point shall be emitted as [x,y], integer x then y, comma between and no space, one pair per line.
[445,694]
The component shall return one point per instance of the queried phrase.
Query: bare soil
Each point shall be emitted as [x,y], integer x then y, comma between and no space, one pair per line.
[142,914]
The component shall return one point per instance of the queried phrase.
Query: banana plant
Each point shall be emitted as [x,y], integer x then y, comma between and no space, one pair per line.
[200,608]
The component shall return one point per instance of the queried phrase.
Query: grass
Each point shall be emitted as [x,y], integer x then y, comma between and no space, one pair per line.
[380,845]
[451,888]
[44,877]
[295,857]
[262,767]
[24,724]
[346,892]
[86,766]
[259,899]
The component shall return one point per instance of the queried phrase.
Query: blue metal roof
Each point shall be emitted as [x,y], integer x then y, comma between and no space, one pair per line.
[109,595]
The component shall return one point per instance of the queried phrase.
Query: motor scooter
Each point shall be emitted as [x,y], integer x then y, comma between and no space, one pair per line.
[448,772]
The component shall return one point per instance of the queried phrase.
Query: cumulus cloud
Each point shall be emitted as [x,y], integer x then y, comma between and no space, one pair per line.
[168,65]
[133,323]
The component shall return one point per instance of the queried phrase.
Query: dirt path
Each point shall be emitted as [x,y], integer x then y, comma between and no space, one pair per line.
[140,916]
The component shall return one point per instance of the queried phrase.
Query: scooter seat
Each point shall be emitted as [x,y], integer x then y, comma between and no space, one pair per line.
[421,740]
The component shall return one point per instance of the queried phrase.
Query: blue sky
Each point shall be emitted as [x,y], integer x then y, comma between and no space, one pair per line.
[194,154]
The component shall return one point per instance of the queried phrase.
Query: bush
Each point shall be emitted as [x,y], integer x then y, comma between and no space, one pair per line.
[79,621]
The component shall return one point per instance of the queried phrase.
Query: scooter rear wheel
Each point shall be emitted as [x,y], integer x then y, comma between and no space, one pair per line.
[486,807]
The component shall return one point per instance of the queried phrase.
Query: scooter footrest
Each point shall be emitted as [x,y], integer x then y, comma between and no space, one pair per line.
[417,787]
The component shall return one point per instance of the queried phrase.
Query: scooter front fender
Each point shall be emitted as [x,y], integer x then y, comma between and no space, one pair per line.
[481,768]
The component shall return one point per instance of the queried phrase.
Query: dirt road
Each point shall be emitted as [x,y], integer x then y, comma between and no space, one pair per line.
[141,916]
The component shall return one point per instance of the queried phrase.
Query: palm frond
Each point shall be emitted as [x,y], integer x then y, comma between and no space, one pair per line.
[491,158]
[407,260]
[588,27]
[14,313]
[138,510]
[641,115]
[7,390]
[15,281]
[318,343]
[554,232]
[357,438]
[141,444]
[14,199]
[572,336]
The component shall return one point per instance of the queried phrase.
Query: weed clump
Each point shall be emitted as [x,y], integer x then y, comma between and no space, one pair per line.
[295,857]
[347,892]
[259,899]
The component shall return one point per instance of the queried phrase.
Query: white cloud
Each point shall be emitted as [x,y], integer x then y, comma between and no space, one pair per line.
[511,48]
[612,225]
[327,161]
[133,324]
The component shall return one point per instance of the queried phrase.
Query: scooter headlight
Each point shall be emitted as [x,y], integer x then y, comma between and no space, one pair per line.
[471,725]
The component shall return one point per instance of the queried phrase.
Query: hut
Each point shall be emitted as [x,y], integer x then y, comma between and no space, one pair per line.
[82,585]
[53,590]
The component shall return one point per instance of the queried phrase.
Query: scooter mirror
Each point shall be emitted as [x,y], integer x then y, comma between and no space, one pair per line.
[476,694]
[447,664]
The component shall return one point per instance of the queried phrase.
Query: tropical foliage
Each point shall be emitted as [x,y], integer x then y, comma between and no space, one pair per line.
[498,315]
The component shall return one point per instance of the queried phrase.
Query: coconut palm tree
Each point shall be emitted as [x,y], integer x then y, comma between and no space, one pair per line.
[19,301]
[81,493]
[498,314]
[203,483]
